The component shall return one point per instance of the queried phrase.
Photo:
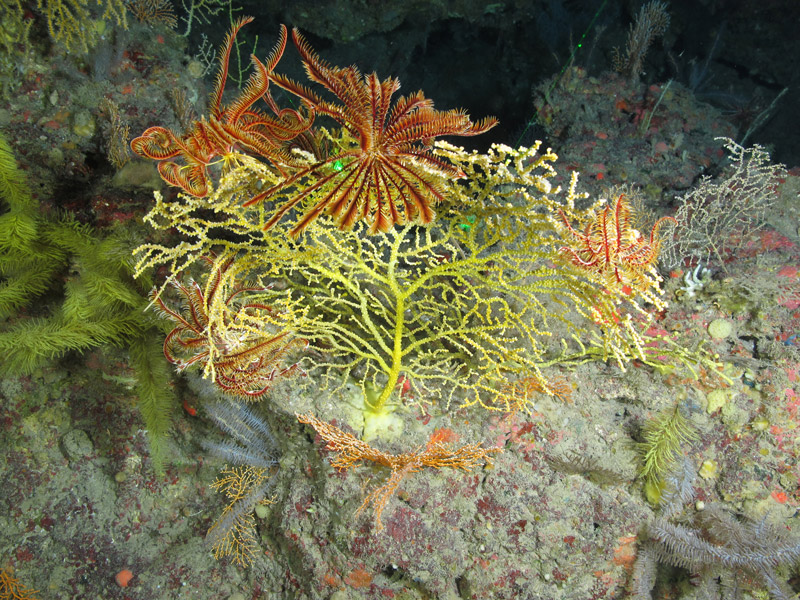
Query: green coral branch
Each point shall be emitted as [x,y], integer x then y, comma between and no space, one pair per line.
[660,353]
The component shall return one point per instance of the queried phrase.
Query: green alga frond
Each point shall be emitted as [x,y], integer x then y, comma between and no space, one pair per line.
[101,303]
[29,262]
[26,277]
[664,437]
[14,189]
[19,226]
[31,343]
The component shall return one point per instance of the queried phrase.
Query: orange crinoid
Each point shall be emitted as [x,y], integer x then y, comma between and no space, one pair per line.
[611,251]
[220,329]
[239,126]
[389,176]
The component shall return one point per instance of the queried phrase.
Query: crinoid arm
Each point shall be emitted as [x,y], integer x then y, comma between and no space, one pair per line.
[215,101]
[225,328]
[237,127]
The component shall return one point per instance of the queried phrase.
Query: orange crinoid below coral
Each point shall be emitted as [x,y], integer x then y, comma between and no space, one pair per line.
[351,452]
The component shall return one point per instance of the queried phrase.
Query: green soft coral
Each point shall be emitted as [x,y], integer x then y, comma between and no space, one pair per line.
[100,302]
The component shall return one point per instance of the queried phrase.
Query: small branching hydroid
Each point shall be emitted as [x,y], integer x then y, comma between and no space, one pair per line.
[253,451]
[720,217]
[651,23]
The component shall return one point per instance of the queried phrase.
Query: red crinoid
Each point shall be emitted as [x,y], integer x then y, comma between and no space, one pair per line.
[391,176]
[245,360]
[238,126]
[610,250]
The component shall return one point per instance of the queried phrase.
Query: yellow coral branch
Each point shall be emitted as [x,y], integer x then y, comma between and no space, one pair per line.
[72,23]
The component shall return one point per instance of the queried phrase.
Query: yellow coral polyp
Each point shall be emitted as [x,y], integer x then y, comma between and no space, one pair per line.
[708,470]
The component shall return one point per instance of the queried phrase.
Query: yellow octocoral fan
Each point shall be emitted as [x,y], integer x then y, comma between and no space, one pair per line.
[455,308]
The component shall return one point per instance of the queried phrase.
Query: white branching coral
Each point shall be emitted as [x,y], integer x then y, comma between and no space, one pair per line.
[719,217]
